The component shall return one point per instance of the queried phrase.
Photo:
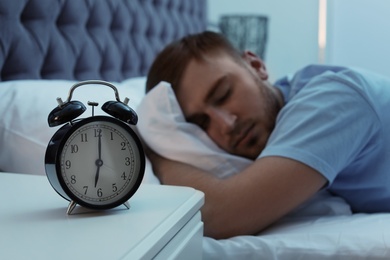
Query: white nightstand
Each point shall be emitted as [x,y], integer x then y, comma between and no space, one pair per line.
[163,222]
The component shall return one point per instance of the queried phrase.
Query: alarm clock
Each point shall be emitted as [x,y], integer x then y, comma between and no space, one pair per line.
[96,162]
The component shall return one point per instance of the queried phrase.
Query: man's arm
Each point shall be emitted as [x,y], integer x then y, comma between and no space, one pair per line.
[249,201]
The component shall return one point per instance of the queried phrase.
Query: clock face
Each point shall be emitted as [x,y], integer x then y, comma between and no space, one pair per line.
[101,163]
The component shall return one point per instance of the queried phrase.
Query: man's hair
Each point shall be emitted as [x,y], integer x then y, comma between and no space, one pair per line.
[172,61]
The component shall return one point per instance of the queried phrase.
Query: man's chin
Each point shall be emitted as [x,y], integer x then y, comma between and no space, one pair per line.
[250,156]
[253,150]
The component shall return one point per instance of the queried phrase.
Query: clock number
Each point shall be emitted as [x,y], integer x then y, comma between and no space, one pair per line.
[98,132]
[127,161]
[114,188]
[84,137]
[123,176]
[86,189]
[99,192]
[74,148]
[112,136]
[68,164]
[73,179]
[123,144]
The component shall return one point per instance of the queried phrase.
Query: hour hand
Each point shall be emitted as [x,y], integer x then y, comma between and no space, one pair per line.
[97,175]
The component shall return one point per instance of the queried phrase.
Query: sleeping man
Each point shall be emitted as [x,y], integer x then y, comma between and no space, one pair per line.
[323,128]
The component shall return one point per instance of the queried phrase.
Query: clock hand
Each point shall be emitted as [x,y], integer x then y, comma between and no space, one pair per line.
[97,175]
[99,161]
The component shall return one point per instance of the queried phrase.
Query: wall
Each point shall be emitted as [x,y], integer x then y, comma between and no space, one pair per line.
[357,32]
[359,35]
[293,27]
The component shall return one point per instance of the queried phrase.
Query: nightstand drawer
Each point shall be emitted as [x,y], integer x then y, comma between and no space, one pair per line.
[187,243]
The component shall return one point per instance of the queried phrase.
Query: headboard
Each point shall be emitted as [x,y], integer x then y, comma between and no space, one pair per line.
[48,45]
[90,39]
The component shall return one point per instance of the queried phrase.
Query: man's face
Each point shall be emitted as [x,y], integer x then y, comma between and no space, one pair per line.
[232,102]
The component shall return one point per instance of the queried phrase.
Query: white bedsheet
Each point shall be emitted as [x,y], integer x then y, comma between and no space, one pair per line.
[358,236]
[323,228]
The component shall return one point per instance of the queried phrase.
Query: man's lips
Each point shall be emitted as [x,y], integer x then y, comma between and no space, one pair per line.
[244,135]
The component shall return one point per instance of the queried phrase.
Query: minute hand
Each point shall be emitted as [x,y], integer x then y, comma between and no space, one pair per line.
[99,161]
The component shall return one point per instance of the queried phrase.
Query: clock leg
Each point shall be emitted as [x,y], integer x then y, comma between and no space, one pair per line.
[71,207]
[127,205]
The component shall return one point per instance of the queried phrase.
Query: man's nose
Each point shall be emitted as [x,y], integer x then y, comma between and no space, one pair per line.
[224,120]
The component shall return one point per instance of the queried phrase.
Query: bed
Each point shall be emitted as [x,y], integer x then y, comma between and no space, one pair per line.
[48,45]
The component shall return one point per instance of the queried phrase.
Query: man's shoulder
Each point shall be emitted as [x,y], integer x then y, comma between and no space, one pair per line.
[294,83]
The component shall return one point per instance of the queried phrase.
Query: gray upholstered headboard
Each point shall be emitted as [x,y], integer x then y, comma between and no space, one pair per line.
[90,39]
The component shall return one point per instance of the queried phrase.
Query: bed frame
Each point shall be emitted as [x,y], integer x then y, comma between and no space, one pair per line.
[90,39]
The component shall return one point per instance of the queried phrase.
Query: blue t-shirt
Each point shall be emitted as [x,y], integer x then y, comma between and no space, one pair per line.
[337,121]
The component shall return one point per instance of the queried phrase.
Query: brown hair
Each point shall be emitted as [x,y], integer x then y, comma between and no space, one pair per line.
[172,61]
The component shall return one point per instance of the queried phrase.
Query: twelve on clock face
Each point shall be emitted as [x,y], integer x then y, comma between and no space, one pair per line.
[100,162]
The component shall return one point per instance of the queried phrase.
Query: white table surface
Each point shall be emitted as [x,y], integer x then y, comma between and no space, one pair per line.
[34,223]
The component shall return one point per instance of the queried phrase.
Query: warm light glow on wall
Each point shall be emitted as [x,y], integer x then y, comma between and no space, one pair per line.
[321,30]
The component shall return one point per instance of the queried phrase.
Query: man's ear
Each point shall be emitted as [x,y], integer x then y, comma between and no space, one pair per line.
[256,63]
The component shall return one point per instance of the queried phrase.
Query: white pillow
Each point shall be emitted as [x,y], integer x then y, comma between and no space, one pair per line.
[25,106]
[163,127]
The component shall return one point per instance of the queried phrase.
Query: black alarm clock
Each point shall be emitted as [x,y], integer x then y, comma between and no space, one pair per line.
[96,162]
